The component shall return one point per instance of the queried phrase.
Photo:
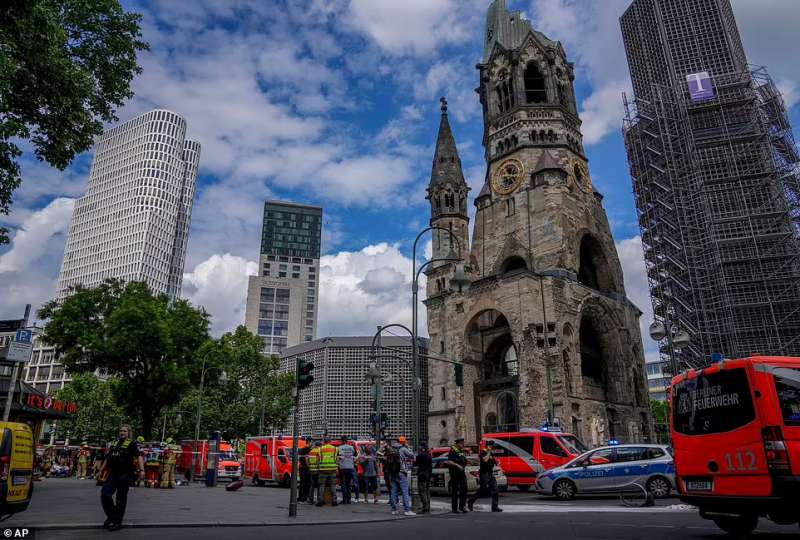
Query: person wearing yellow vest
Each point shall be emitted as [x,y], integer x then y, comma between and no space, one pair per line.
[328,465]
[168,458]
[313,467]
[83,461]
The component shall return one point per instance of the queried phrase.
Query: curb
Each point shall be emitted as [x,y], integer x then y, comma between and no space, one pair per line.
[240,524]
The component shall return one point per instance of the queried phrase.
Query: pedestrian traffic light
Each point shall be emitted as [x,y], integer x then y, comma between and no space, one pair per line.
[304,376]
[459,371]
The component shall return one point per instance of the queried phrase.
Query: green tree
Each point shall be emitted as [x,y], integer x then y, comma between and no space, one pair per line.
[98,415]
[149,344]
[65,65]
[252,385]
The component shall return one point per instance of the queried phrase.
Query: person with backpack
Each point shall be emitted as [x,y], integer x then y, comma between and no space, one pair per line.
[399,460]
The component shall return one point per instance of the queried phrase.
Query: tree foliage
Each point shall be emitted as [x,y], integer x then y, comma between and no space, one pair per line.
[149,344]
[660,411]
[98,415]
[65,65]
[234,406]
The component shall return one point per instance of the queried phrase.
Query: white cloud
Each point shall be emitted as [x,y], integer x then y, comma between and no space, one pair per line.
[29,268]
[412,26]
[219,284]
[360,290]
[631,257]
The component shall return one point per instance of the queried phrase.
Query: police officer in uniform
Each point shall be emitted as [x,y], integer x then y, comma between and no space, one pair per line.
[456,463]
[488,484]
[313,466]
[119,464]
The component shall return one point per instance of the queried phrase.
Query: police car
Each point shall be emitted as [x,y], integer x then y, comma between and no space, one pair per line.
[612,469]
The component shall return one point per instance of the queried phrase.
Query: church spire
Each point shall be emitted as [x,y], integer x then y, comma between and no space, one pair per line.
[446,163]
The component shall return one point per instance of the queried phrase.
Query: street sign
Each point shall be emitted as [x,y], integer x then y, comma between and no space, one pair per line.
[24,336]
[19,351]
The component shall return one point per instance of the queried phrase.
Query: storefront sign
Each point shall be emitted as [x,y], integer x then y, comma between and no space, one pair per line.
[48,403]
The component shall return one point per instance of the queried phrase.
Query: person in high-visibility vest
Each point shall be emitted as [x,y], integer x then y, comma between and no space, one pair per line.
[328,465]
[152,466]
[168,458]
[83,462]
[313,466]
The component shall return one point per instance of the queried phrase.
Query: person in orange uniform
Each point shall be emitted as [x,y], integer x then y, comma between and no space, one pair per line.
[168,458]
[83,461]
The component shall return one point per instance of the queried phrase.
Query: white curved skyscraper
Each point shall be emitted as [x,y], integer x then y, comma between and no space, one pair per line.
[133,222]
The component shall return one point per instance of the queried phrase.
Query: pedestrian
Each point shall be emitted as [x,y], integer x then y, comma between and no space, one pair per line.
[488,484]
[399,461]
[305,474]
[328,463]
[369,462]
[347,470]
[119,464]
[382,463]
[313,465]
[424,473]
[456,464]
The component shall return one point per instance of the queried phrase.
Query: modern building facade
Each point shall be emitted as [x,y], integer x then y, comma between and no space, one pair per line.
[133,222]
[339,401]
[282,300]
[715,176]
[544,331]
[657,381]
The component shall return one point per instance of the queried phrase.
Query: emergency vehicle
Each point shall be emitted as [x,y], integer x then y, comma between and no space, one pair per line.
[736,432]
[524,454]
[269,459]
[228,466]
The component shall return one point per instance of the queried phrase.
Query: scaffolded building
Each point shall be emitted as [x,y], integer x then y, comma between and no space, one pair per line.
[715,173]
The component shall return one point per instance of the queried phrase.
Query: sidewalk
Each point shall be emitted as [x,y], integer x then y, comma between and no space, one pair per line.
[75,504]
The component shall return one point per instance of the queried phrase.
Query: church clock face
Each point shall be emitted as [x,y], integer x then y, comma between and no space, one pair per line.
[508,176]
[581,176]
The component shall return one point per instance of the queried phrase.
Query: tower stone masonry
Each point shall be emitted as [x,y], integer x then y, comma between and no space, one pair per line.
[544,331]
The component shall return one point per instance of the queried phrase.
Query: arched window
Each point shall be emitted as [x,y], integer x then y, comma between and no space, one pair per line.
[510,207]
[505,92]
[507,412]
[444,394]
[591,352]
[490,422]
[533,136]
[534,85]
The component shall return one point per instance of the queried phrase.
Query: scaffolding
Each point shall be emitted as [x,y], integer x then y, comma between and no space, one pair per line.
[717,188]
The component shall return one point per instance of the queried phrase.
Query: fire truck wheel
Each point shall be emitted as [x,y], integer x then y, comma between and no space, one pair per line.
[739,526]
[564,490]
[259,481]
[658,486]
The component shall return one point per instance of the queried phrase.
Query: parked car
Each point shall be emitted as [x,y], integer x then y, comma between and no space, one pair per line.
[612,469]
[440,480]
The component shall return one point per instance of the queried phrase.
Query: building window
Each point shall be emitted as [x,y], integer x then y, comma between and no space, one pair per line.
[534,85]
[444,394]
[295,275]
[281,274]
[510,207]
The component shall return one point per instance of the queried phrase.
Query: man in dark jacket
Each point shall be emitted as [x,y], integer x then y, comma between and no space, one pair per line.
[488,484]
[424,470]
[120,466]
[457,463]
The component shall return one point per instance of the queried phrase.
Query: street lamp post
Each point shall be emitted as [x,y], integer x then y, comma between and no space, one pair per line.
[459,279]
[659,331]
[222,378]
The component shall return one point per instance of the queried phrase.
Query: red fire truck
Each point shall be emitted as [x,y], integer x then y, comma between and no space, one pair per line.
[269,459]
[736,432]
[228,466]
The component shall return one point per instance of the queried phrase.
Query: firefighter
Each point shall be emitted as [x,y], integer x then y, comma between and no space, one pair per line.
[313,467]
[143,452]
[152,466]
[83,461]
[328,464]
[168,458]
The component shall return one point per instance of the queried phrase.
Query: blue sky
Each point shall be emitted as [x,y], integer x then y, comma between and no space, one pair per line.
[335,102]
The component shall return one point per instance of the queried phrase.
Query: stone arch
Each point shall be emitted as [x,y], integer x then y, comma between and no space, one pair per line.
[594,269]
[512,264]
[489,346]
[507,412]
[602,374]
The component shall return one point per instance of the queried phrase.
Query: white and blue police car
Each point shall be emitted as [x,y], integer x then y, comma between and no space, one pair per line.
[612,468]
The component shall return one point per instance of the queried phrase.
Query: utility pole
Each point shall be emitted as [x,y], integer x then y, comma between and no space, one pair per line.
[293,483]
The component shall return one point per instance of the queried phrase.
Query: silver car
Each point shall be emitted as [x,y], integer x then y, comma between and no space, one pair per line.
[612,469]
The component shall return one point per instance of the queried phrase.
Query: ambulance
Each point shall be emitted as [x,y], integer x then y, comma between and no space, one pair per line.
[269,459]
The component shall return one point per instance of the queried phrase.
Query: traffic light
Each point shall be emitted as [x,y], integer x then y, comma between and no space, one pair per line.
[459,371]
[304,376]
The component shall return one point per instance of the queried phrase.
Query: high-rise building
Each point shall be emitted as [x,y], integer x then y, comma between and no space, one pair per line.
[715,176]
[339,401]
[133,222]
[544,329]
[282,299]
